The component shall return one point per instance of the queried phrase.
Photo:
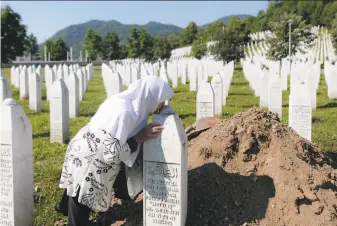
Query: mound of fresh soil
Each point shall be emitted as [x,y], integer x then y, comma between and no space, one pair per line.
[253,170]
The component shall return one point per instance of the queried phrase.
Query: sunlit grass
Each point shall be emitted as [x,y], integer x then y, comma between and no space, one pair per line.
[48,157]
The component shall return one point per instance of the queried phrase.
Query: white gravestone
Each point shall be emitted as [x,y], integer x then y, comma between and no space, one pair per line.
[224,78]
[80,77]
[300,112]
[65,72]
[24,92]
[205,101]
[164,77]
[39,72]
[165,173]
[54,68]
[16,166]
[59,73]
[59,112]
[217,87]
[86,68]
[5,89]
[35,98]
[275,96]
[74,99]
[193,79]
[85,79]
[12,75]
[174,76]
[332,84]
[50,78]
[183,73]
[117,85]
[17,77]
[135,74]
[264,82]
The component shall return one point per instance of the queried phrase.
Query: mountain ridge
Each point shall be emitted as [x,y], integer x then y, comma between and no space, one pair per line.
[73,35]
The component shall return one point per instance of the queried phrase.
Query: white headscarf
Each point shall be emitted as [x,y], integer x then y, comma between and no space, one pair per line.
[125,114]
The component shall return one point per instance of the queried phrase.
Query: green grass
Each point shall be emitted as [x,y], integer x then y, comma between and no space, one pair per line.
[48,157]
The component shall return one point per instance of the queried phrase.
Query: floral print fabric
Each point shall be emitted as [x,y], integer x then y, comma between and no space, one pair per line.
[91,165]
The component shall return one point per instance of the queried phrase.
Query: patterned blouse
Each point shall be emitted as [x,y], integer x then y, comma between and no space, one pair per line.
[91,165]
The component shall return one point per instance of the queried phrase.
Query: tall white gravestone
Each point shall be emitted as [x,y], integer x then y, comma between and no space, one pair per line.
[50,78]
[13,75]
[300,112]
[5,89]
[24,86]
[35,98]
[74,99]
[217,87]
[80,77]
[205,101]
[275,96]
[165,173]
[59,112]
[16,168]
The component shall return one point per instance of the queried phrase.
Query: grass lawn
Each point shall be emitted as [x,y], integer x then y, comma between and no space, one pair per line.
[48,157]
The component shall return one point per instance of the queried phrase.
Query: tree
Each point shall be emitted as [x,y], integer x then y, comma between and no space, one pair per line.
[133,43]
[92,43]
[146,45]
[59,50]
[161,48]
[173,41]
[227,48]
[213,30]
[234,23]
[199,48]
[50,46]
[140,44]
[110,46]
[13,35]
[123,51]
[301,36]
[334,32]
[188,35]
[31,45]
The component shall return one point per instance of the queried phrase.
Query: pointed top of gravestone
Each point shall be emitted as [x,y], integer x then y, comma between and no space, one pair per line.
[9,102]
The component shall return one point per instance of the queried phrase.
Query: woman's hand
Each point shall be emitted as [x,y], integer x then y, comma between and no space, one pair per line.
[151,131]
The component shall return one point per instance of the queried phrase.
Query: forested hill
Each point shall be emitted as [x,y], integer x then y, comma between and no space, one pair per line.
[313,12]
[74,35]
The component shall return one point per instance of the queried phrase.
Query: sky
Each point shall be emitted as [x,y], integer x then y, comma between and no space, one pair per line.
[45,18]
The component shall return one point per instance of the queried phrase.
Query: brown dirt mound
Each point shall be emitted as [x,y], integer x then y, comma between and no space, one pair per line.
[253,170]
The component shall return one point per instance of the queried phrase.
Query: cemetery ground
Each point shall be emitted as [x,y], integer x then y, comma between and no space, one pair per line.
[48,158]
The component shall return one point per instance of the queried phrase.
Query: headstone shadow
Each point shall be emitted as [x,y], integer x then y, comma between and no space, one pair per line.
[186,116]
[329,105]
[89,114]
[216,197]
[41,135]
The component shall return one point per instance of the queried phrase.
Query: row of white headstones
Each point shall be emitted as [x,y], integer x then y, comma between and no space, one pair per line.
[304,81]
[65,89]
[211,96]
[322,49]
[164,165]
